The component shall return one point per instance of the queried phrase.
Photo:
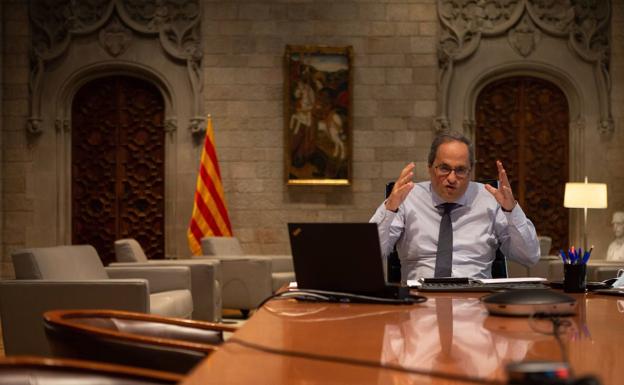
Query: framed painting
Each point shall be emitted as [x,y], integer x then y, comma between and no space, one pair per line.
[318,115]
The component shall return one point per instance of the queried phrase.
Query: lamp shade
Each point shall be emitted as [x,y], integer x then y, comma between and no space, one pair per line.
[585,195]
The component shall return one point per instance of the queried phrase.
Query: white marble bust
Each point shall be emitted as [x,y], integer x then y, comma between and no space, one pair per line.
[616,248]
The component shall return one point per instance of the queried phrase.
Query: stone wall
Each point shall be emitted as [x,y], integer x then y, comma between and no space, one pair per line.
[611,154]
[17,211]
[1,124]
[613,151]
[395,90]
[394,102]
[395,74]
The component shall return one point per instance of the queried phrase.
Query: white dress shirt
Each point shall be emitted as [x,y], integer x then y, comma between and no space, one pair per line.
[480,226]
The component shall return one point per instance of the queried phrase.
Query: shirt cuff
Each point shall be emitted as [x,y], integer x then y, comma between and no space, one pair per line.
[516,216]
[382,214]
[387,209]
[508,211]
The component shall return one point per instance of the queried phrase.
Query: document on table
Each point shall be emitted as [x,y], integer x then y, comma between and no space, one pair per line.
[512,280]
[484,281]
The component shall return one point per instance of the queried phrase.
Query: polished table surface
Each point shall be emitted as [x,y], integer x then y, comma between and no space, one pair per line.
[450,339]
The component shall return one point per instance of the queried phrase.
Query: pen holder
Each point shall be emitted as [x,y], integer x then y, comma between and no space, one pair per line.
[574,277]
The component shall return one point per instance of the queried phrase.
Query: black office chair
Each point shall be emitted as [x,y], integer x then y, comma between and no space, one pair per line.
[499,265]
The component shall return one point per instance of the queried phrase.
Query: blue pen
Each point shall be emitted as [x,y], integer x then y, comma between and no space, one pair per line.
[563,256]
[587,255]
[572,255]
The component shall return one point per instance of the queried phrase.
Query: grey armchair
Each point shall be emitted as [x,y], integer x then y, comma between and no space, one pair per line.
[243,282]
[541,268]
[71,277]
[247,279]
[282,269]
[205,277]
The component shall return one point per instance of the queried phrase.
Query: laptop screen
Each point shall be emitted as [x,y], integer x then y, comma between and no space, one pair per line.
[342,257]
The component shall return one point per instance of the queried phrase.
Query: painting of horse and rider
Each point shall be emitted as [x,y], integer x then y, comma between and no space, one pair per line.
[318,116]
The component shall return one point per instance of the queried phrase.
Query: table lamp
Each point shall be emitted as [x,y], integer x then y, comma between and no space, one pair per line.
[585,196]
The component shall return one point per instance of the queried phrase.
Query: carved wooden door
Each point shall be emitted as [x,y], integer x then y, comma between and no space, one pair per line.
[117,161]
[523,121]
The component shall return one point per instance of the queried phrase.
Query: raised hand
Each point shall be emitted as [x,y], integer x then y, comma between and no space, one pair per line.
[502,194]
[401,188]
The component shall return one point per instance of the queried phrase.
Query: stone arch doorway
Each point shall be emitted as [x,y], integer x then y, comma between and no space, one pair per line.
[524,122]
[117,165]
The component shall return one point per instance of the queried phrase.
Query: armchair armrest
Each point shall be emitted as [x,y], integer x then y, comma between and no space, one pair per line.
[602,273]
[600,269]
[555,270]
[280,263]
[205,284]
[23,302]
[282,269]
[246,281]
[160,278]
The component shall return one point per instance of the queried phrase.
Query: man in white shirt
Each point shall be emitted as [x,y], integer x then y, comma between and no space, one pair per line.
[616,248]
[483,218]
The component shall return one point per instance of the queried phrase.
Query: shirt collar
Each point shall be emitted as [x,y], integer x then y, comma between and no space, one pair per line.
[462,201]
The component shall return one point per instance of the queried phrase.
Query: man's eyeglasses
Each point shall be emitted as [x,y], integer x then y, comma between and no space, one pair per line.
[445,169]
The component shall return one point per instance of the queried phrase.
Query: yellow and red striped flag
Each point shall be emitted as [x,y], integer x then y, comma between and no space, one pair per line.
[210,216]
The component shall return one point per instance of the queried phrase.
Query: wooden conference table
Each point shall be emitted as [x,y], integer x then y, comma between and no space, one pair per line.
[450,339]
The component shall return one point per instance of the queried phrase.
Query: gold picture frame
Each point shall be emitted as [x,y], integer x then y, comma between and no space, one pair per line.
[318,117]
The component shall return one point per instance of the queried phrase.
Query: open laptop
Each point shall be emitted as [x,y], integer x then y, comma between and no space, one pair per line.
[342,258]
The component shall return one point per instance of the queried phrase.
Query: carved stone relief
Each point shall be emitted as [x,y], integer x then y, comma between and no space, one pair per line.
[524,37]
[175,23]
[115,38]
[583,24]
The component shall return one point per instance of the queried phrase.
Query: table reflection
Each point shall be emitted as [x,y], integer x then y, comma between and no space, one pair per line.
[457,335]
[443,335]
[450,339]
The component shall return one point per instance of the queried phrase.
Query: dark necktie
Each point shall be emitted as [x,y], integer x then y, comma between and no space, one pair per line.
[444,314]
[444,255]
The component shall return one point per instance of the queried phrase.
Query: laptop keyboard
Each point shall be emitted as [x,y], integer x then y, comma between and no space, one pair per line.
[476,286]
